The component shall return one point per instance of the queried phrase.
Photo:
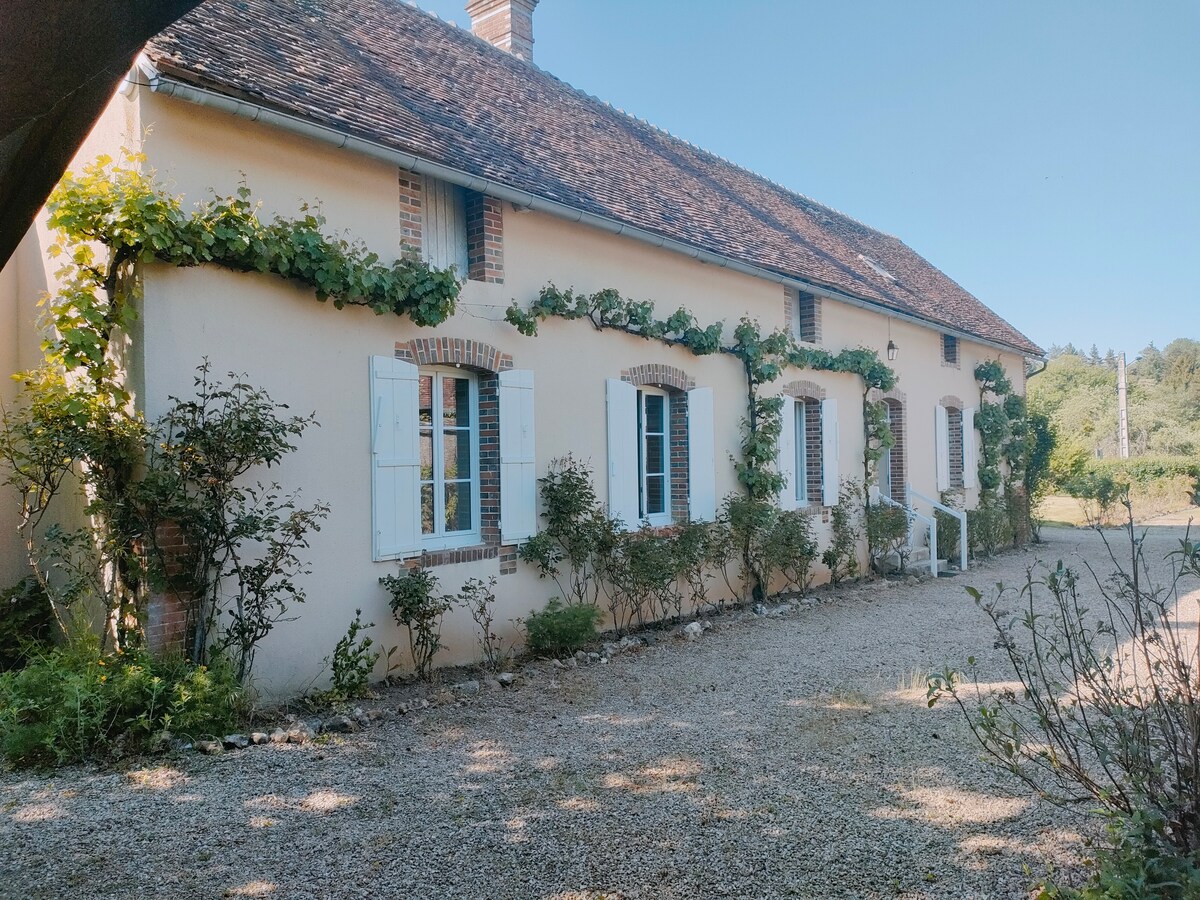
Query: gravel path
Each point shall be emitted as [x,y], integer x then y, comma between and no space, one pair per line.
[788,756]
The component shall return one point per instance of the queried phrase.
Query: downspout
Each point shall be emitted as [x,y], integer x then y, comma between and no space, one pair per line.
[1044,362]
[170,87]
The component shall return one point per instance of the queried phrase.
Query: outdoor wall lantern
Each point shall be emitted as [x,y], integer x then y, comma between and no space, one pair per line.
[891,350]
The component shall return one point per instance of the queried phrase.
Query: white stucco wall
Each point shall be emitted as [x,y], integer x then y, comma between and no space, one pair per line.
[314,357]
[24,280]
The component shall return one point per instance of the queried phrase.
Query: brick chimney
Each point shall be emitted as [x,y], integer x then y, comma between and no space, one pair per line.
[506,23]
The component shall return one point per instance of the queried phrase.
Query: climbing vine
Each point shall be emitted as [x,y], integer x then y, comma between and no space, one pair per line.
[1004,448]
[75,424]
[764,359]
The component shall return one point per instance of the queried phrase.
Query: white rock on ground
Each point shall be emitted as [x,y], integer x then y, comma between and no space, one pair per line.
[790,757]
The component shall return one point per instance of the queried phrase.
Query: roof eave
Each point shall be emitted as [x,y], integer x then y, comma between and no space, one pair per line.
[173,86]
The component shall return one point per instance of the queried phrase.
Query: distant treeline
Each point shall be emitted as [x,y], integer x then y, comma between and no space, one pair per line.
[1078,392]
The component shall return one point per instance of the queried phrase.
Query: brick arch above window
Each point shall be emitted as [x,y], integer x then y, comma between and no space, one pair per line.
[951,402]
[660,376]
[454,352]
[804,390]
[895,395]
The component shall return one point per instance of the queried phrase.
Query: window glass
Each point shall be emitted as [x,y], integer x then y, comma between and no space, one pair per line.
[801,486]
[653,454]
[449,467]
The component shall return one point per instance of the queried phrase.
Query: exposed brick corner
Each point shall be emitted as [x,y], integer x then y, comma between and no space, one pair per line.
[412,210]
[485,238]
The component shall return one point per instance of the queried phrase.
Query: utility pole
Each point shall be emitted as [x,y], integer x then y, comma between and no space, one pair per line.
[1122,408]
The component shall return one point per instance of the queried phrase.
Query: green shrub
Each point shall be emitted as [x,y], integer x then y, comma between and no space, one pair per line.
[841,556]
[417,605]
[73,704]
[353,660]
[887,535]
[750,523]
[1137,861]
[26,623]
[557,629]
[791,548]
[989,529]
[641,574]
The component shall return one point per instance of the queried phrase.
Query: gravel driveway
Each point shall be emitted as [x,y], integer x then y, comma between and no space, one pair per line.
[778,756]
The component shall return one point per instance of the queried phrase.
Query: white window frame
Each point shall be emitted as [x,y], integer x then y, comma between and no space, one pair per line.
[885,472]
[440,539]
[800,422]
[664,517]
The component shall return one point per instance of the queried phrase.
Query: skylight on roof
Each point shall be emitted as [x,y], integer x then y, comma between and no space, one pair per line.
[879,270]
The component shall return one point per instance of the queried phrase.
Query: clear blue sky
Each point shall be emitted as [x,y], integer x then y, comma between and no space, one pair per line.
[1046,155]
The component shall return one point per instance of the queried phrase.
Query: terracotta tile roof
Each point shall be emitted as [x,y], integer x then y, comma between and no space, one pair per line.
[388,72]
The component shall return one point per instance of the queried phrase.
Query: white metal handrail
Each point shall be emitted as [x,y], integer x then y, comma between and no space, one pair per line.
[912,515]
[957,513]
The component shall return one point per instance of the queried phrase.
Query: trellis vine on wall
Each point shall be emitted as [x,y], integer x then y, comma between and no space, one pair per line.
[1003,426]
[137,220]
[764,358]
[77,407]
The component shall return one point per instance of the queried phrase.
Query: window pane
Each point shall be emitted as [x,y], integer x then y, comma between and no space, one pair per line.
[427,509]
[425,438]
[655,413]
[458,506]
[656,494]
[801,486]
[655,455]
[425,399]
[456,401]
[457,457]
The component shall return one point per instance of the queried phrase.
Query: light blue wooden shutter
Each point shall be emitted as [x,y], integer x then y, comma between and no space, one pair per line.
[970,459]
[518,473]
[787,454]
[444,237]
[622,451]
[831,446]
[396,460]
[702,456]
[942,438]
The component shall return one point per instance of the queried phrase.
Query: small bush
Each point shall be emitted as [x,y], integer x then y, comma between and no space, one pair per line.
[1104,710]
[417,605]
[791,548]
[989,529]
[73,704]
[557,629]
[1137,861]
[478,597]
[26,623]
[887,535]
[353,660]
[841,556]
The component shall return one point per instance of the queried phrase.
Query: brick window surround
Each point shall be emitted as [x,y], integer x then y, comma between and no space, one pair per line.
[485,227]
[954,425]
[812,394]
[950,351]
[487,363]
[897,419]
[676,383]
[802,315]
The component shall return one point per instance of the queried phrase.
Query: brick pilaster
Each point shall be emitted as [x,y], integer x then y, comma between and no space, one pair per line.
[412,210]
[485,238]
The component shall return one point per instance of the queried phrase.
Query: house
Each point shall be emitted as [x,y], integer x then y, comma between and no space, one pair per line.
[409,131]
